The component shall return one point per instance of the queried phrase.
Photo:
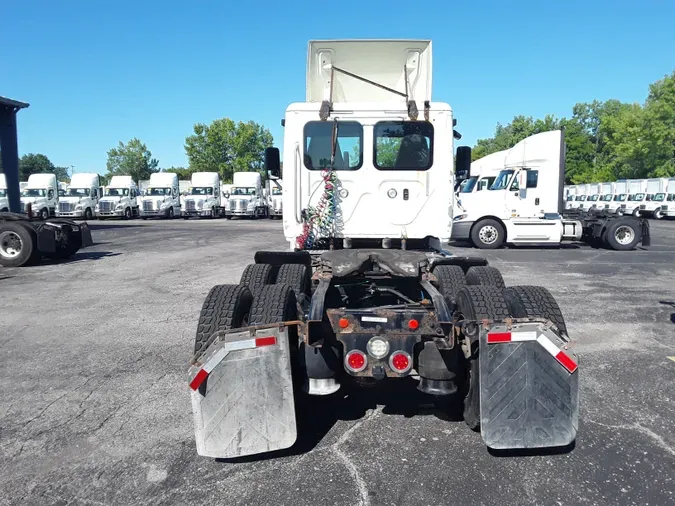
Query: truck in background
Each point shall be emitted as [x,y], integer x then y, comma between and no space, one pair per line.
[570,196]
[161,198]
[4,201]
[42,193]
[592,197]
[275,198]
[581,196]
[204,196]
[619,199]
[246,197]
[607,191]
[119,199]
[482,175]
[637,194]
[81,196]
[655,204]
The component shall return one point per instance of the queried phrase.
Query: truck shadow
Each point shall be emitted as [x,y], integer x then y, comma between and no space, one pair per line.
[81,256]
[94,225]
[468,245]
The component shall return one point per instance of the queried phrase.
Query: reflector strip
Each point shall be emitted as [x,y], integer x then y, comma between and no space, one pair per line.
[558,354]
[212,362]
[508,337]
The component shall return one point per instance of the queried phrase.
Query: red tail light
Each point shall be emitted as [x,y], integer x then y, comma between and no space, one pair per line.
[400,361]
[413,324]
[356,361]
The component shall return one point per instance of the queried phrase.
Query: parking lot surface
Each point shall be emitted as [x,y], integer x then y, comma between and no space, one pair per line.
[95,407]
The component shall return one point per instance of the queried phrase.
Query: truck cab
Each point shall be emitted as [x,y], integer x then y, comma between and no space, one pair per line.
[570,196]
[81,196]
[592,198]
[275,198]
[483,172]
[620,195]
[656,201]
[119,199]
[161,197]
[246,196]
[580,196]
[204,196]
[637,196]
[41,193]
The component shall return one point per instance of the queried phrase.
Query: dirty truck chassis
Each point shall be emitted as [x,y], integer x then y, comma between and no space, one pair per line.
[24,241]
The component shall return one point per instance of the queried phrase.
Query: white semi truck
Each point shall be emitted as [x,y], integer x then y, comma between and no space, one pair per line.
[656,201]
[81,196]
[483,173]
[592,198]
[246,197]
[637,195]
[617,204]
[119,199]
[570,197]
[367,294]
[161,198]
[204,196]
[525,205]
[670,198]
[42,194]
[275,198]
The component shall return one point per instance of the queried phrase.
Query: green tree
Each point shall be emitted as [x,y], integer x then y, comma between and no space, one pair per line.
[131,159]
[183,173]
[36,163]
[227,147]
[658,132]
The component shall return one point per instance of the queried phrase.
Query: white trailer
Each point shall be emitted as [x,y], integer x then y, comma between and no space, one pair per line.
[655,203]
[161,198]
[120,199]
[381,312]
[274,198]
[204,197]
[637,195]
[246,197]
[42,194]
[81,196]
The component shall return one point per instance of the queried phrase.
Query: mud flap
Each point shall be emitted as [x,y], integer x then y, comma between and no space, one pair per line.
[85,232]
[529,386]
[242,393]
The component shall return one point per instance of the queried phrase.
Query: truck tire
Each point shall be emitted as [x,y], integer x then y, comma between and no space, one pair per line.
[295,276]
[225,307]
[255,276]
[488,234]
[88,215]
[170,213]
[478,303]
[623,234]
[273,304]
[127,213]
[44,214]
[485,275]
[18,244]
[533,302]
[450,280]
[658,214]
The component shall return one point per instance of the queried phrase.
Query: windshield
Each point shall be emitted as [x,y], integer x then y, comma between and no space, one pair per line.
[201,190]
[581,198]
[158,191]
[243,191]
[116,192]
[636,197]
[570,198]
[620,198]
[276,191]
[659,197]
[468,185]
[78,192]
[593,198]
[606,198]
[485,183]
[3,192]
[671,197]
[502,180]
[33,192]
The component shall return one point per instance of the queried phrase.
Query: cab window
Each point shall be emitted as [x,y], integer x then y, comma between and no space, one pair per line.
[319,145]
[403,145]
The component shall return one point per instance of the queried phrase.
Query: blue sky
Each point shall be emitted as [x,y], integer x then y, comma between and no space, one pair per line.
[101,71]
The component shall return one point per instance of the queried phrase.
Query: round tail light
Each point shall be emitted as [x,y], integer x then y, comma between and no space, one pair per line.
[400,362]
[356,361]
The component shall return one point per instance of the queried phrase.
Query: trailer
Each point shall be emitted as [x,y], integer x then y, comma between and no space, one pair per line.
[366,294]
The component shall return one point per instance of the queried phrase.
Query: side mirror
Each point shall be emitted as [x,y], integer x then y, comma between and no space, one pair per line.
[463,163]
[522,183]
[226,195]
[273,162]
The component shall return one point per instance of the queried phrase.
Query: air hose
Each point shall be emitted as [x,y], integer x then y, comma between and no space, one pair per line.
[319,220]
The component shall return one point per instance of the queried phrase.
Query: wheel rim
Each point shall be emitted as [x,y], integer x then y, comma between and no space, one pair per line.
[658,215]
[624,235]
[10,244]
[488,234]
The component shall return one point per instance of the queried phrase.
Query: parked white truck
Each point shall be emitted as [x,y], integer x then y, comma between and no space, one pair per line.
[275,198]
[570,196]
[119,199]
[246,197]
[4,201]
[637,194]
[161,198]
[655,203]
[619,198]
[42,193]
[81,196]
[204,196]
[483,173]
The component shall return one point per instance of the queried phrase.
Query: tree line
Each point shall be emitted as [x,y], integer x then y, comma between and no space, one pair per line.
[606,141]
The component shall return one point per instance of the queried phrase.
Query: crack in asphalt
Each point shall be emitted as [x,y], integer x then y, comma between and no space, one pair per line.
[639,428]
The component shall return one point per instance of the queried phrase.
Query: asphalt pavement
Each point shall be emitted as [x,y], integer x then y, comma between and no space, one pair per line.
[95,407]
